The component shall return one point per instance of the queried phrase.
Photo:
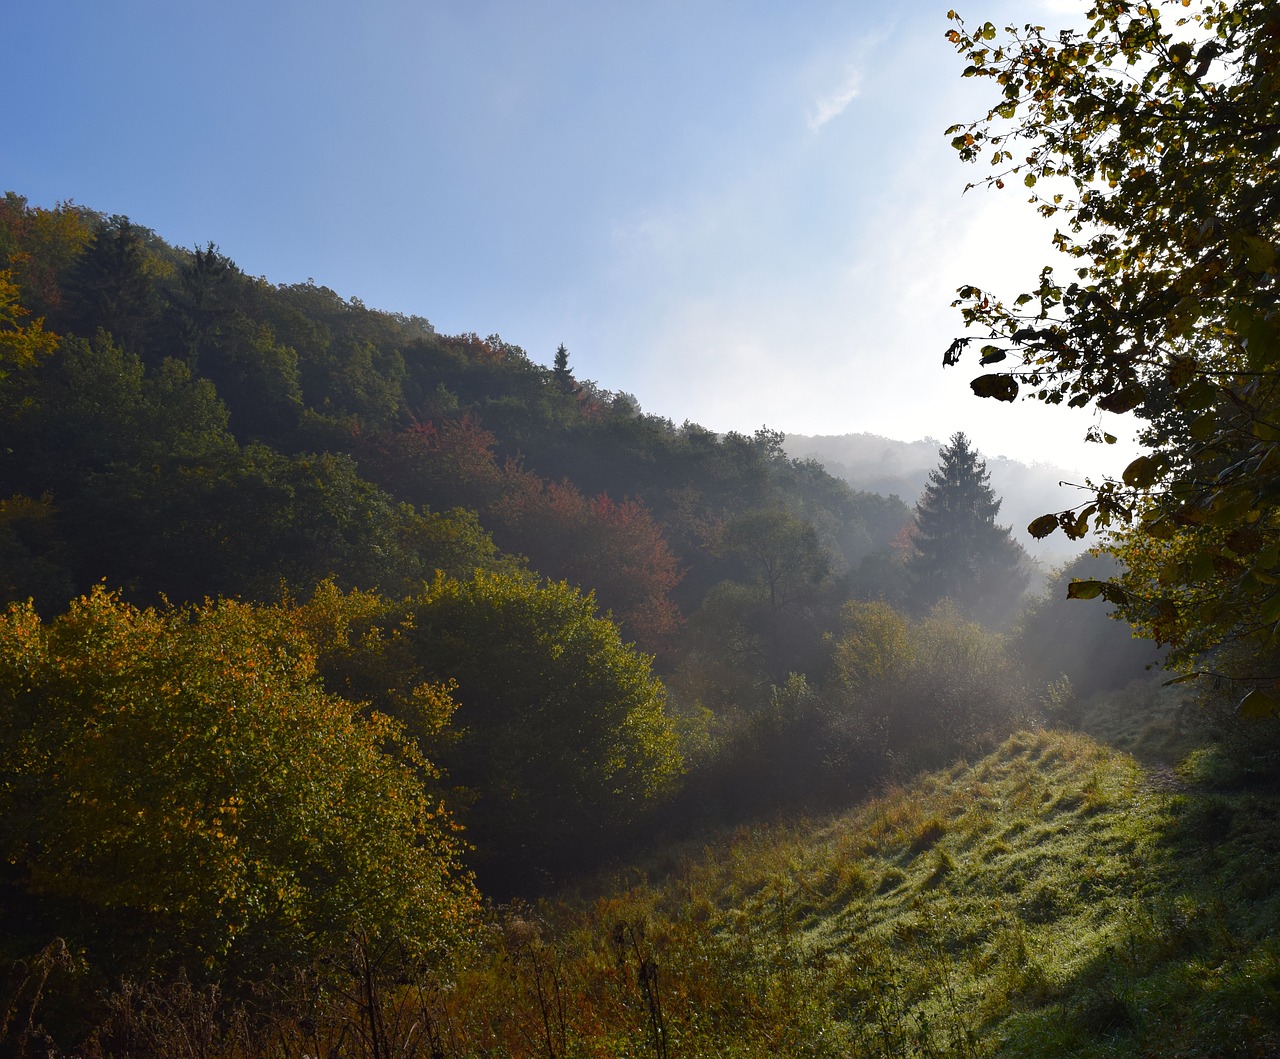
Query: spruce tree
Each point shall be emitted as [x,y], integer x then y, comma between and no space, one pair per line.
[960,553]
[563,376]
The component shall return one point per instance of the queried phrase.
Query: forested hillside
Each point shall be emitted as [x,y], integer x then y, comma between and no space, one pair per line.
[372,691]
[324,630]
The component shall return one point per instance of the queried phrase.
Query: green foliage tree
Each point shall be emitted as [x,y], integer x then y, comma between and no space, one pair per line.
[178,790]
[112,287]
[560,370]
[919,693]
[782,555]
[959,552]
[565,738]
[1150,138]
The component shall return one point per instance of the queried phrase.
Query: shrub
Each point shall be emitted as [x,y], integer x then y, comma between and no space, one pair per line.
[179,790]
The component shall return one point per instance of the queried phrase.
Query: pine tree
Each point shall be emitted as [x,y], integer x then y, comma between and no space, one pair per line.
[960,553]
[563,376]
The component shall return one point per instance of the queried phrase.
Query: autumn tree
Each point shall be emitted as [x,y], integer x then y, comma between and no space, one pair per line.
[959,552]
[178,790]
[1149,136]
[443,462]
[23,342]
[615,549]
[39,246]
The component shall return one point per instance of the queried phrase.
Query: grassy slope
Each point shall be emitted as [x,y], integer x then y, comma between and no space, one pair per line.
[1054,898]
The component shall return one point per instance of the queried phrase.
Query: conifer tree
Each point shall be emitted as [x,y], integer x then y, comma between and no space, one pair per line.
[960,553]
[563,376]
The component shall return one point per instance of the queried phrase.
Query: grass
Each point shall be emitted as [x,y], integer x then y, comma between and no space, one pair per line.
[1046,900]
[1054,898]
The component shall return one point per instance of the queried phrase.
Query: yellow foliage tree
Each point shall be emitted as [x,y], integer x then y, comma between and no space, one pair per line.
[179,790]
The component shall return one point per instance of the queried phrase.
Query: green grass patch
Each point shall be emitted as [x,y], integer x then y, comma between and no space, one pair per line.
[1047,900]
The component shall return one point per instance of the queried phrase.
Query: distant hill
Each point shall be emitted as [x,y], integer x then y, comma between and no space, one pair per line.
[876,464]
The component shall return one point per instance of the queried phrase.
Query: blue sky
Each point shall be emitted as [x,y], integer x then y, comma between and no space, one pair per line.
[740,212]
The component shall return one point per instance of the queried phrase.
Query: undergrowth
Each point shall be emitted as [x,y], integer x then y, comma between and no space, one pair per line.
[1054,898]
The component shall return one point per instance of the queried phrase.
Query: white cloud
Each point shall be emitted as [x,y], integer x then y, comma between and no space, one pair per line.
[832,105]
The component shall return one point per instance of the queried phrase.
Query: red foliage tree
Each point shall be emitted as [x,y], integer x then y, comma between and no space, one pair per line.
[614,548]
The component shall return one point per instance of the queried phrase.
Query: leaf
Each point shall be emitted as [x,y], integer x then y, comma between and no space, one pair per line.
[1125,399]
[1244,541]
[1203,426]
[1043,526]
[1258,704]
[1084,589]
[1143,472]
[1001,387]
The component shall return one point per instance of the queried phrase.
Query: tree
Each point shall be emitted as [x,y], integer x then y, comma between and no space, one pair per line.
[22,344]
[765,622]
[615,550]
[565,735]
[178,790]
[40,246]
[783,555]
[1151,139]
[112,287]
[924,691]
[959,551]
[563,376]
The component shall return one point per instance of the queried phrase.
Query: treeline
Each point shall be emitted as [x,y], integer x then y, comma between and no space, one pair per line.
[227,433]
[297,589]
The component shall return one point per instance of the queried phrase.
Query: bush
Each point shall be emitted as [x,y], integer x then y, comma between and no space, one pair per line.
[922,693]
[179,791]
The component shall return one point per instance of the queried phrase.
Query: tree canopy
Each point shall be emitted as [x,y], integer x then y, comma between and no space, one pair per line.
[561,737]
[1150,138]
[178,789]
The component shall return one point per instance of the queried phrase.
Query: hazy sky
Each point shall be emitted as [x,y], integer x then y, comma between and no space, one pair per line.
[741,212]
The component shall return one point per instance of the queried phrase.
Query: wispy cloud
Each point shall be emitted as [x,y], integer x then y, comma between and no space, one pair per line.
[832,105]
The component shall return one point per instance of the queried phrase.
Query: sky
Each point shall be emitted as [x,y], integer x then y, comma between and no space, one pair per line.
[743,213]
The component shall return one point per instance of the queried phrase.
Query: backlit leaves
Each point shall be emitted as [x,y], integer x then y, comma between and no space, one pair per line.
[1150,139]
